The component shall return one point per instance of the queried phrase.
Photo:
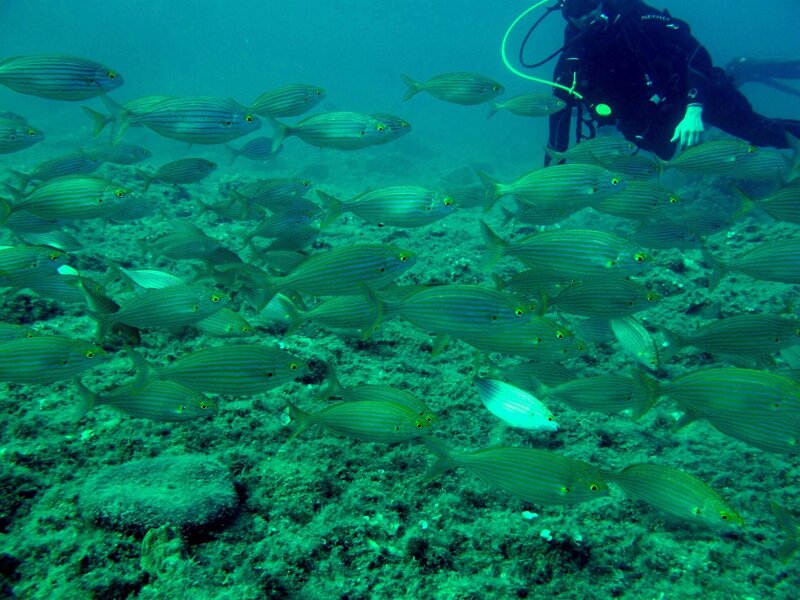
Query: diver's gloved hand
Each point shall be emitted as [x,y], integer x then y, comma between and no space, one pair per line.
[690,130]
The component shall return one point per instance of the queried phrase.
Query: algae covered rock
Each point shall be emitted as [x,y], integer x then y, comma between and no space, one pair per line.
[188,492]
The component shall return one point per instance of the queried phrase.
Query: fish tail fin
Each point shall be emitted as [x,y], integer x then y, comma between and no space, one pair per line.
[413,87]
[376,307]
[554,155]
[651,392]
[493,192]
[718,269]
[120,116]
[508,216]
[675,343]
[746,204]
[23,178]
[794,144]
[232,152]
[282,131]
[88,399]
[495,246]
[296,318]
[300,417]
[333,208]
[99,120]
[18,195]
[789,526]
[444,458]
[140,364]
[332,387]
[493,108]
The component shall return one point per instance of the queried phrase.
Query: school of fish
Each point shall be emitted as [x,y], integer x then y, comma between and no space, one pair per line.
[568,290]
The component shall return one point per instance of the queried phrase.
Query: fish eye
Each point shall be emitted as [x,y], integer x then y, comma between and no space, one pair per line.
[54,256]
[31,132]
[248,118]
[594,487]
[752,149]
[673,200]
[293,366]
[638,257]
[216,298]
[519,312]
[418,425]
[560,335]
[89,354]
[448,201]
[615,181]
[724,516]
[403,258]
[203,405]
[120,193]
[537,340]
[550,418]
[195,307]
[112,75]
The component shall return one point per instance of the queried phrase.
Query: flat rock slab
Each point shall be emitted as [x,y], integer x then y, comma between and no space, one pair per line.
[190,492]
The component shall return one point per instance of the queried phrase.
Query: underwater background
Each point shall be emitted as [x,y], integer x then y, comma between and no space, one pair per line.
[228,506]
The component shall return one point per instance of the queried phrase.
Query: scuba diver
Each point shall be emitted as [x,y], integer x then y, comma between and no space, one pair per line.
[640,69]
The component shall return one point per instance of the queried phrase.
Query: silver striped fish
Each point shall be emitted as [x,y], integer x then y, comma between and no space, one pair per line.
[259,148]
[641,200]
[529,105]
[345,270]
[606,394]
[360,314]
[395,127]
[783,204]
[17,135]
[342,130]
[184,170]
[396,206]
[225,323]
[74,197]
[579,254]
[595,151]
[757,407]
[239,370]
[288,100]
[154,399]
[564,187]
[461,311]
[46,359]
[538,476]
[749,336]
[170,307]
[770,261]
[611,298]
[121,154]
[77,163]
[58,76]
[371,420]
[716,157]
[459,88]
[194,119]
[677,494]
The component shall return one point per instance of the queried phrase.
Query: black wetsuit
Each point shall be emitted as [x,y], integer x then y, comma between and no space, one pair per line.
[647,67]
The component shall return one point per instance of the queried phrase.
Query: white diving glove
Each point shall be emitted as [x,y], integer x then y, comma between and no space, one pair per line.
[690,130]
